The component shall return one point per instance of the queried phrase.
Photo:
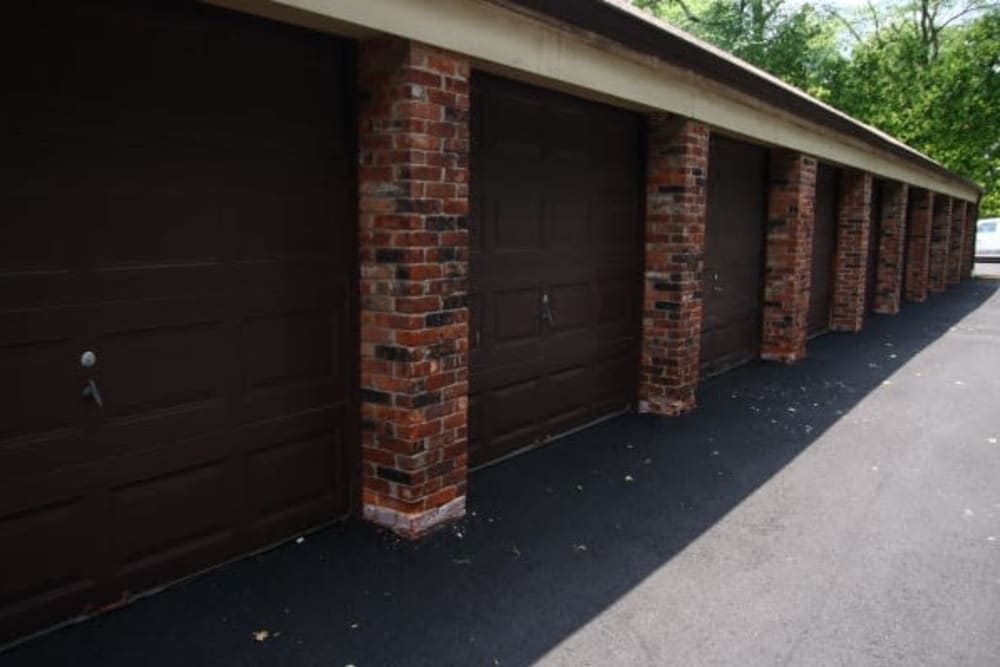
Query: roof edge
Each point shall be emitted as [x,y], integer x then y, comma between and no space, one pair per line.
[644,33]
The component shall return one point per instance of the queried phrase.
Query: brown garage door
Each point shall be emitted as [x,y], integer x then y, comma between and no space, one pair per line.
[176,197]
[555,264]
[734,237]
[824,246]
[873,243]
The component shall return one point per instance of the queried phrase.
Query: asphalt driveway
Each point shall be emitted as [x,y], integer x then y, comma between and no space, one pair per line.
[843,511]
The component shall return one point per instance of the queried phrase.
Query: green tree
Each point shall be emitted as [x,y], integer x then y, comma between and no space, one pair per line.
[925,71]
[934,85]
[796,45]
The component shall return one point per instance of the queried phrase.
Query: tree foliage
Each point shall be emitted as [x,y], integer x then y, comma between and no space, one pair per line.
[925,71]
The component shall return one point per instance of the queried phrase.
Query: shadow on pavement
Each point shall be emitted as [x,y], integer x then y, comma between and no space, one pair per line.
[553,537]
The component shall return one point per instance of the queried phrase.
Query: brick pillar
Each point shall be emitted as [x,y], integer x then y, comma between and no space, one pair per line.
[414,246]
[969,240]
[956,242]
[791,211]
[892,244]
[940,237]
[918,245]
[677,166]
[851,260]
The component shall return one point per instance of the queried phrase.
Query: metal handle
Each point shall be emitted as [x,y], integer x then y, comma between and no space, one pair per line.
[91,391]
[715,283]
[547,315]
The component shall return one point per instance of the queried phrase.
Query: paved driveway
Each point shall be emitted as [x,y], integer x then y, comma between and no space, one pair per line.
[842,511]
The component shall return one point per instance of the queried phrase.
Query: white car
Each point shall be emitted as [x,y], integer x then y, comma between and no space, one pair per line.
[988,240]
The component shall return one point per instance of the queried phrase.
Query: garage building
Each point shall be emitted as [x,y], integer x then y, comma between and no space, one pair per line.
[269,264]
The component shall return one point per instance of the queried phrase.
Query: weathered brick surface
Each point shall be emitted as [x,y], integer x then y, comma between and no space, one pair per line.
[956,243]
[851,260]
[675,239]
[791,211]
[414,245]
[918,244]
[892,244]
[940,239]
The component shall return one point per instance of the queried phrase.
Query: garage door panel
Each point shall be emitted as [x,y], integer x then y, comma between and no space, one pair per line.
[37,391]
[512,410]
[584,257]
[568,224]
[824,245]
[161,369]
[172,511]
[293,476]
[516,223]
[35,543]
[287,349]
[612,309]
[732,277]
[570,306]
[616,231]
[874,239]
[515,316]
[192,223]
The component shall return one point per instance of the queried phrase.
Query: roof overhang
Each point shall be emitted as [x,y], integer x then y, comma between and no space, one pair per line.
[609,51]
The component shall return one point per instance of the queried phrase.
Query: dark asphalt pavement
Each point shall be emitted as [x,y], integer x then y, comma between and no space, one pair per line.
[842,511]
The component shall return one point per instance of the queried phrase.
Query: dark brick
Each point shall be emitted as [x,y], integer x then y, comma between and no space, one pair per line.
[427,398]
[392,353]
[372,396]
[438,223]
[439,319]
[390,255]
[394,475]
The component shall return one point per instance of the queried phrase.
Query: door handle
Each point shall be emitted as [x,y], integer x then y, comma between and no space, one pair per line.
[90,390]
[715,283]
[547,315]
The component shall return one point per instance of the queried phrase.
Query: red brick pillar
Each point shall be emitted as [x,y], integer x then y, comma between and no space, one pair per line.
[891,245]
[851,261]
[791,210]
[414,266]
[940,237]
[677,166]
[956,242]
[969,240]
[918,245]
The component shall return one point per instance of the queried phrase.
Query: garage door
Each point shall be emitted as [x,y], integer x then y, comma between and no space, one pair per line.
[555,264]
[734,247]
[824,246]
[176,284]
[874,238]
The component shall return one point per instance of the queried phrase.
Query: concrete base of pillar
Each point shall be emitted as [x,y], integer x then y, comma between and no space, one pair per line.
[415,525]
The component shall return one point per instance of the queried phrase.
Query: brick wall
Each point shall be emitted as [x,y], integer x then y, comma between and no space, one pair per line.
[414,241]
[892,244]
[956,242]
[791,212]
[918,244]
[851,260]
[940,239]
[677,165]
